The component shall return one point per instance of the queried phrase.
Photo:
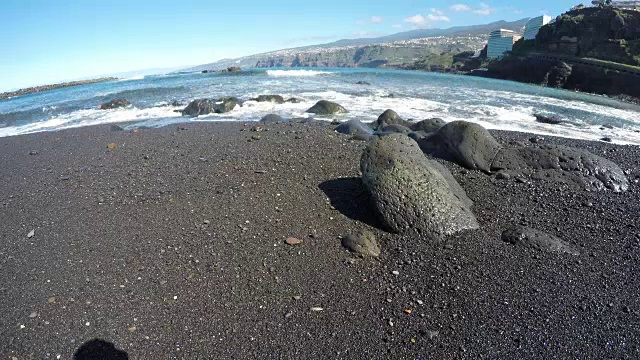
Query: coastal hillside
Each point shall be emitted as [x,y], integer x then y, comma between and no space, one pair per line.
[594,50]
[392,50]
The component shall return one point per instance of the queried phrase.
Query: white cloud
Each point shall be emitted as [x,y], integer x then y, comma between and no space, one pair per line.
[460,7]
[434,17]
[436,12]
[376,20]
[484,9]
[415,19]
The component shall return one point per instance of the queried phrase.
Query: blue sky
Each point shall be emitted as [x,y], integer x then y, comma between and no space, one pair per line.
[46,41]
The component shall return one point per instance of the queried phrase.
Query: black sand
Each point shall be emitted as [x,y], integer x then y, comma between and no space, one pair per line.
[172,245]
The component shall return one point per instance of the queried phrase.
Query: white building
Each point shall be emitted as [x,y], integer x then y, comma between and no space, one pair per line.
[534,25]
[501,41]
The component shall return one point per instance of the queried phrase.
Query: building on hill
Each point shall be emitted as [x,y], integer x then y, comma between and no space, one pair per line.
[622,4]
[533,26]
[500,42]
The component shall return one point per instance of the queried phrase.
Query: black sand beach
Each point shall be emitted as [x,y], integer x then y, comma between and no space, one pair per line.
[172,245]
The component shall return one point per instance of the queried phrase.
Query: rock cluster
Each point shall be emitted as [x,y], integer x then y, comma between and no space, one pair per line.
[208,106]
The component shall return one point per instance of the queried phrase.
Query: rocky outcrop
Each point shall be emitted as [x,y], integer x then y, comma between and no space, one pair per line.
[535,239]
[36,89]
[273,119]
[277,99]
[114,104]
[324,107]
[208,106]
[409,192]
[465,143]
[577,168]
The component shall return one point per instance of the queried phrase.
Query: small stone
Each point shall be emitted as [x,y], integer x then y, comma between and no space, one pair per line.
[606,139]
[288,315]
[255,137]
[51,300]
[293,241]
[297,297]
[408,311]
[112,146]
[33,152]
[260,171]
[363,243]
[420,302]
[33,315]
[316,309]
[503,176]
[395,272]
[132,329]
[207,222]
[31,234]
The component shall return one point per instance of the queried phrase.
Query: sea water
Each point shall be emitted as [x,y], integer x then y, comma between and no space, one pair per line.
[494,104]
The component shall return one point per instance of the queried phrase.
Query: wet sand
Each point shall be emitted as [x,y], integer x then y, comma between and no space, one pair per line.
[172,245]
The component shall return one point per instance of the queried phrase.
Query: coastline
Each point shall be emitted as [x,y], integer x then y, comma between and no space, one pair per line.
[35,89]
[171,244]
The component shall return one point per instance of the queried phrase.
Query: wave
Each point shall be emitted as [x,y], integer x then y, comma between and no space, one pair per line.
[136,77]
[296,73]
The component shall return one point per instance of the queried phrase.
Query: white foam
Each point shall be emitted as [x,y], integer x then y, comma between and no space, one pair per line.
[296,73]
[136,77]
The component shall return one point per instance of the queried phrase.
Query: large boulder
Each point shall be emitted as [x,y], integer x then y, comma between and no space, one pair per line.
[324,107]
[409,192]
[535,239]
[468,144]
[271,98]
[114,104]
[575,167]
[208,106]
[355,127]
[551,119]
[428,125]
[390,117]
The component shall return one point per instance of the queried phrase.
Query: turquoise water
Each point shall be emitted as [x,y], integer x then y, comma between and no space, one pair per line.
[494,104]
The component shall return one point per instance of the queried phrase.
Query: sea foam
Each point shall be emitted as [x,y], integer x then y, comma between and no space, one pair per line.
[296,73]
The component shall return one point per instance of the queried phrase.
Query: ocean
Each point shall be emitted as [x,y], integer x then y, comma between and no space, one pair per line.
[494,104]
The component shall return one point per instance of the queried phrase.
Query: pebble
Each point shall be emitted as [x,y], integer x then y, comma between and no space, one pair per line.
[33,152]
[51,300]
[297,297]
[316,309]
[33,315]
[288,315]
[132,329]
[395,272]
[31,234]
[293,241]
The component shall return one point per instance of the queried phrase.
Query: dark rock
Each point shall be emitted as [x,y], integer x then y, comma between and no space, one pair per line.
[114,104]
[231,69]
[607,139]
[273,119]
[33,152]
[575,167]
[395,129]
[536,139]
[418,135]
[536,239]
[503,176]
[558,75]
[208,106]
[363,83]
[548,119]
[294,101]
[428,125]
[390,117]
[324,107]
[271,98]
[409,192]
[363,243]
[468,144]
[354,127]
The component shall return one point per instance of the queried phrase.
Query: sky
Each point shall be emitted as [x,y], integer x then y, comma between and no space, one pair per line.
[48,41]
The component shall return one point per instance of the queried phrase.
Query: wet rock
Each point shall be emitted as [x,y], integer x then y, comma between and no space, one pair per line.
[294,101]
[428,125]
[114,104]
[536,239]
[394,129]
[548,119]
[607,139]
[418,135]
[324,107]
[363,243]
[390,117]
[354,127]
[467,144]
[208,106]
[273,119]
[408,191]
[277,99]
[578,168]
[363,83]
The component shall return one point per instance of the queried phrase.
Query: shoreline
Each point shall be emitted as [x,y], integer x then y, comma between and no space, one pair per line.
[171,243]
[36,89]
